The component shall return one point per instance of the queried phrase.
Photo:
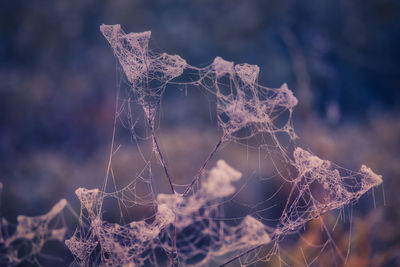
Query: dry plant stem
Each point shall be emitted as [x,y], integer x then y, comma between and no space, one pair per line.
[273,236]
[240,255]
[171,255]
[109,164]
[154,135]
[332,241]
[161,157]
[200,171]
[289,197]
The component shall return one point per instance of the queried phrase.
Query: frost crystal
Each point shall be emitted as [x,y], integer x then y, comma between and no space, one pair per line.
[248,73]
[222,67]
[371,178]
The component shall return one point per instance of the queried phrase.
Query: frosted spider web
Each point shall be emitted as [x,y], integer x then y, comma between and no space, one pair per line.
[25,241]
[187,226]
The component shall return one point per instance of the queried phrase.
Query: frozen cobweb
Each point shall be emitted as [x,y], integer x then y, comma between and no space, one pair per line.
[146,72]
[336,187]
[25,241]
[189,227]
[248,105]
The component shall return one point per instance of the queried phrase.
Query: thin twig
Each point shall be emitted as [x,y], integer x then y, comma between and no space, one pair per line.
[332,241]
[240,255]
[109,164]
[154,135]
[199,173]
[288,201]
[161,157]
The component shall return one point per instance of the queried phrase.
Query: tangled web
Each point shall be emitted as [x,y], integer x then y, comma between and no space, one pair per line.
[188,227]
[249,105]
[30,235]
[336,190]
[200,236]
[148,73]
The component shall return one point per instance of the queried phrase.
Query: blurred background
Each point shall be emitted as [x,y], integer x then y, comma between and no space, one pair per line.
[341,58]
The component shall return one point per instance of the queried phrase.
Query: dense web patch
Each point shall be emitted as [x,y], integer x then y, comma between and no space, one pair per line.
[141,67]
[334,189]
[189,227]
[200,234]
[30,235]
[248,105]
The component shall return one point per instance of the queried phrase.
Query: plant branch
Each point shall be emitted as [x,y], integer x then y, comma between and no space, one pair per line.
[153,132]
[200,171]
[240,255]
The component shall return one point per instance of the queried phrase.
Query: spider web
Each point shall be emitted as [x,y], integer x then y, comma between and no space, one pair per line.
[24,242]
[189,227]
